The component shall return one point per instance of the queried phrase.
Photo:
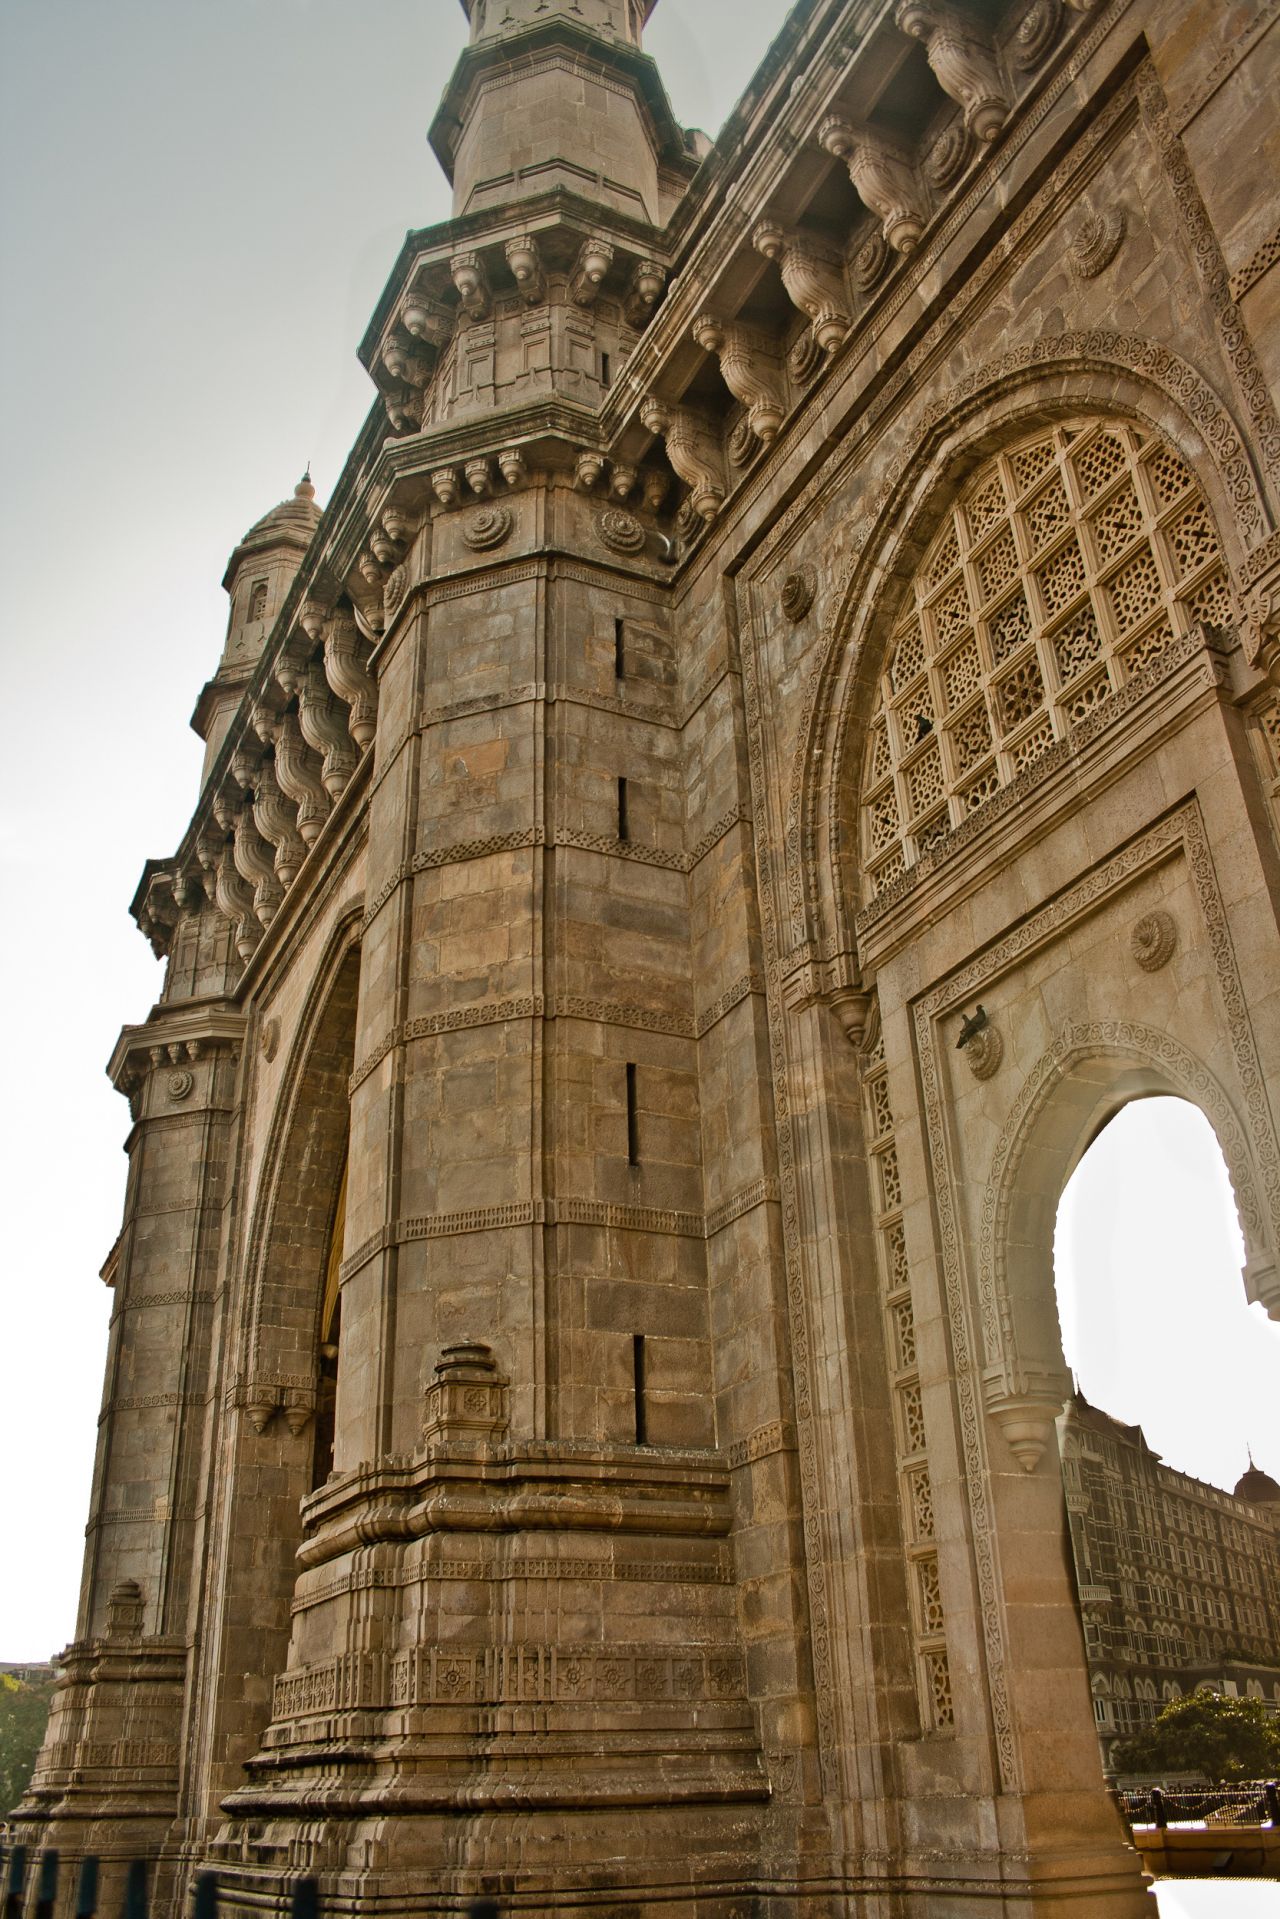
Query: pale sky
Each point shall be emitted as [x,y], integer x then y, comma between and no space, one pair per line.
[200,206]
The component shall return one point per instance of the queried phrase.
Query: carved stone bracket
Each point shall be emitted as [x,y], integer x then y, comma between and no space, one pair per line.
[693,451]
[468,275]
[1025,1411]
[324,727]
[812,284]
[590,271]
[525,261]
[648,284]
[883,179]
[747,373]
[345,665]
[963,65]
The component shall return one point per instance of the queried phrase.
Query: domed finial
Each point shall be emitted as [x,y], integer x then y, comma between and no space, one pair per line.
[304,489]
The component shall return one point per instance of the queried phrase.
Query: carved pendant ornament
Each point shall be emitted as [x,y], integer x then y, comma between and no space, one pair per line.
[1154,941]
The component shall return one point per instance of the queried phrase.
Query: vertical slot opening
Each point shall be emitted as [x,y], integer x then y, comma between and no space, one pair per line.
[606,369]
[633,1127]
[638,1364]
[619,651]
[623,829]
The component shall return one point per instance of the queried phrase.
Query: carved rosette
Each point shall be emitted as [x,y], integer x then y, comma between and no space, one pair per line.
[744,444]
[805,357]
[810,283]
[1096,241]
[620,532]
[798,591]
[871,262]
[1154,941]
[949,155]
[488,528]
[985,1052]
[1037,30]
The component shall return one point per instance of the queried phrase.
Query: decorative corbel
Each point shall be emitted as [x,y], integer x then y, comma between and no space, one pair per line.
[622,481]
[1025,1407]
[225,803]
[405,364]
[648,283]
[525,261]
[588,471]
[693,451]
[299,772]
[963,67]
[656,486]
[400,524]
[345,656]
[468,275]
[479,477]
[276,818]
[883,179]
[372,571]
[291,665]
[255,862]
[513,466]
[159,913]
[811,284]
[446,485]
[746,374]
[405,412]
[324,727]
[426,319]
[233,897]
[588,275]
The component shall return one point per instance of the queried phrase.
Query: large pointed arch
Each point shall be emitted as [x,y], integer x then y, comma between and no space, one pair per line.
[1101,375]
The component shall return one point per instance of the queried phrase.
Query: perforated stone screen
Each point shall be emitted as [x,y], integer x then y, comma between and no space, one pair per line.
[1067,565]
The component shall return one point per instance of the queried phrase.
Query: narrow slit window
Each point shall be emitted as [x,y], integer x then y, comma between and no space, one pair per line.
[624,832]
[633,1123]
[606,369]
[619,651]
[638,1367]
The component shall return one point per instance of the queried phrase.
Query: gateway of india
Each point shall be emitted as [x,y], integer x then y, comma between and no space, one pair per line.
[774,739]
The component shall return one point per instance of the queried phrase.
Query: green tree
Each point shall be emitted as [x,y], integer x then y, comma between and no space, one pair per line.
[24,1713]
[1225,1739]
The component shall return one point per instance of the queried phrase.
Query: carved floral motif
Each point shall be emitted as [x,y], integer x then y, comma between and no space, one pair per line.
[620,532]
[488,528]
[1154,941]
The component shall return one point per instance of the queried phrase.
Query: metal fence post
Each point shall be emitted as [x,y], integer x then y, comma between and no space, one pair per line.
[87,1888]
[1160,1817]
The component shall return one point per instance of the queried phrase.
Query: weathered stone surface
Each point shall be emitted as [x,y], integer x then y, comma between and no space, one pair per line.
[580,1415]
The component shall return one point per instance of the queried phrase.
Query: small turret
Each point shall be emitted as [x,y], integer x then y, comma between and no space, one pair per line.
[258,577]
[557,94]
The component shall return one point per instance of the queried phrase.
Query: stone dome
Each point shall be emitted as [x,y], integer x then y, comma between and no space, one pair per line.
[1259,1488]
[291,524]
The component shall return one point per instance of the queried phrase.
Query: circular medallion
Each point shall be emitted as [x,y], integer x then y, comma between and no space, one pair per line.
[178,1085]
[489,527]
[985,1052]
[947,156]
[805,357]
[1153,941]
[620,532]
[870,261]
[744,444]
[798,590]
[1037,31]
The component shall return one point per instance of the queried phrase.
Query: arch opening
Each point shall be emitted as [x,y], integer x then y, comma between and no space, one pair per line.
[1174,1397]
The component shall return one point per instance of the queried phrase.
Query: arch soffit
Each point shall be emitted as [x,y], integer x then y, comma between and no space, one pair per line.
[343,942]
[1100,373]
[1141,1061]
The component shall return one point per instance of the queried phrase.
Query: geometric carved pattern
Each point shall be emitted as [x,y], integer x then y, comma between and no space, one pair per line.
[937,1713]
[1065,567]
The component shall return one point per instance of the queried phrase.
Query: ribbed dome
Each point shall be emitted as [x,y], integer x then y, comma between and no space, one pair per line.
[299,514]
[291,524]
[1259,1488]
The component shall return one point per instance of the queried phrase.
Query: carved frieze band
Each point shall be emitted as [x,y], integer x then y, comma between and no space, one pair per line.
[659,1572]
[1255,266]
[462,850]
[537,1212]
[456,1676]
[765,1443]
[564,1006]
[760,1192]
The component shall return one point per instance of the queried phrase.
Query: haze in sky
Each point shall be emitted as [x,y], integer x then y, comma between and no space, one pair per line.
[200,206]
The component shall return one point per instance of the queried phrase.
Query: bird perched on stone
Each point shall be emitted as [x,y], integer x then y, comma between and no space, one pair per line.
[972,1027]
